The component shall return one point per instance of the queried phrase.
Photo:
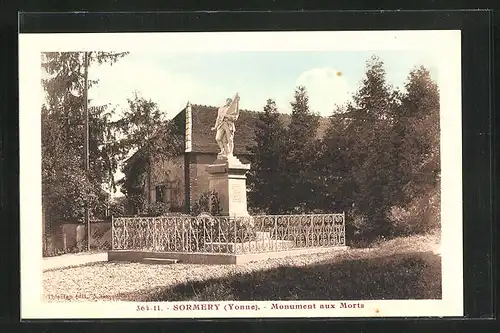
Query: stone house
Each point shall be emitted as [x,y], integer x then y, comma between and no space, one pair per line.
[179,181]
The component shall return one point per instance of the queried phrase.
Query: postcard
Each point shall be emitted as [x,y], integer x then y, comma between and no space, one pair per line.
[241,174]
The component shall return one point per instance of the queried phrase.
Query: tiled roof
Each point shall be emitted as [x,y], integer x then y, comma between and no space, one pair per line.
[203,139]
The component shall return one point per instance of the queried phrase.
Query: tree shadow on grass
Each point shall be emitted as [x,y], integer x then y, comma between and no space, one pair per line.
[414,275]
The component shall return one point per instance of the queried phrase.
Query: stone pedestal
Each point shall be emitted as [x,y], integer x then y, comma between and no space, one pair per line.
[228,179]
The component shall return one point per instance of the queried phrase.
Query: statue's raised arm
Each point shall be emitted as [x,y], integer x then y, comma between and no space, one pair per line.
[224,125]
[233,111]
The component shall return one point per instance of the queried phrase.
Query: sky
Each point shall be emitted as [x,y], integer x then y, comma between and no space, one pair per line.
[172,79]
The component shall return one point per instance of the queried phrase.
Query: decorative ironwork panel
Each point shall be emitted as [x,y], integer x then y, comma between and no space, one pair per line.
[216,234]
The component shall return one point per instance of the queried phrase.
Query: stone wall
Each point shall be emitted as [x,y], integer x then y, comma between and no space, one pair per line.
[169,172]
[198,175]
[72,237]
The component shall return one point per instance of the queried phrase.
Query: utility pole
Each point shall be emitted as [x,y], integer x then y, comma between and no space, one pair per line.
[86,143]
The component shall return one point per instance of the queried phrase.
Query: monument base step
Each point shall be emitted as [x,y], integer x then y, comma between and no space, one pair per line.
[164,261]
[252,246]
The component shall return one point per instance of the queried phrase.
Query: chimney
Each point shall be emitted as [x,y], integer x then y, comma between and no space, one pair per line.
[188,128]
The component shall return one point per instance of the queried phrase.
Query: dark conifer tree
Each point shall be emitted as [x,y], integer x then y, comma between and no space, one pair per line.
[268,164]
[301,154]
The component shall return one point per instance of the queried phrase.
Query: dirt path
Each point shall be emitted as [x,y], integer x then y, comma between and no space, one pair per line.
[73,259]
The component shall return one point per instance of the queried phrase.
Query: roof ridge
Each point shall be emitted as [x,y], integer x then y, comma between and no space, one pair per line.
[194,105]
[216,107]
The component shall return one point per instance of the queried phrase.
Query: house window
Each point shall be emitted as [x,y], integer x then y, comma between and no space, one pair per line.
[160,193]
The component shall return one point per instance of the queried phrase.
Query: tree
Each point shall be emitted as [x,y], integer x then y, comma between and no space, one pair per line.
[420,140]
[65,185]
[301,151]
[374,164]
[268,164]
[335,162]
[357,157]
[382,150]
[117,207]
[144,129]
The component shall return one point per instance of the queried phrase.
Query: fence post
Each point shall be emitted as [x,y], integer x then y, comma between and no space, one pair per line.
[329,240]
[228,236]
[154,234]
[175,235]
[312,231]
[219,240]
[275,232]
[112,233]
[183,246]
[187,235]
[64,241]
[343,225]
[203,226]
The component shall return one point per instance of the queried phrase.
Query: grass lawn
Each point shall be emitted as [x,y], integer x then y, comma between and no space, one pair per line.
[400,276]
[404,268]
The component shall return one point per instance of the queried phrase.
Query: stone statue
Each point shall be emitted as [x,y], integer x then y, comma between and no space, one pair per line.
[224,126]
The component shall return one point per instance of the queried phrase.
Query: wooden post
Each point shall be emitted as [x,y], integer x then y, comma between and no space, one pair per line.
[86,143]
[112,232]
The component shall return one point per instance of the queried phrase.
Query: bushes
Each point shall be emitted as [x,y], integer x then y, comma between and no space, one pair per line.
[231,230]
[137,201]
[117,207]
[157,209]
[422,215]
[208,202]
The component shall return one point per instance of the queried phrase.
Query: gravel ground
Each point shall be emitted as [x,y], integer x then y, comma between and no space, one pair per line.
[114,280]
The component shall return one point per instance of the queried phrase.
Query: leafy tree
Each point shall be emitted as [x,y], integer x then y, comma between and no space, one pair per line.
[357,158]
[416,138]
[382,150]
[144,130]
[66,186]
[143,127]
[268,164]
[421,138]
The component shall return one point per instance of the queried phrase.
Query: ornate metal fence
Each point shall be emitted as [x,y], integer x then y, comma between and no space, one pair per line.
[216,234]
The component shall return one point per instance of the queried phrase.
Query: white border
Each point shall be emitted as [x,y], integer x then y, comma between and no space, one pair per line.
[445,45]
